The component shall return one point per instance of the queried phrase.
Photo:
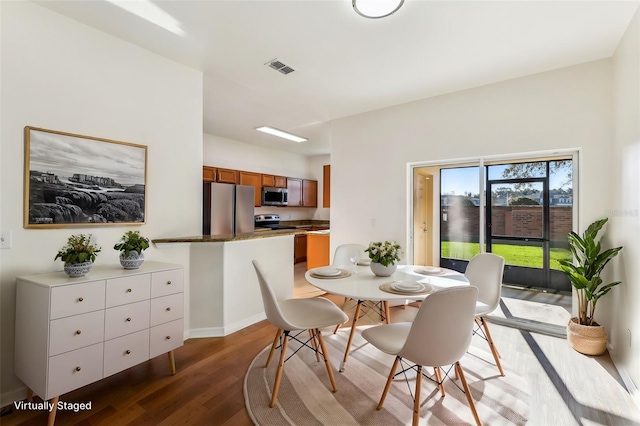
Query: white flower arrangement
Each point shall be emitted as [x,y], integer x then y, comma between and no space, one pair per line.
[386,253]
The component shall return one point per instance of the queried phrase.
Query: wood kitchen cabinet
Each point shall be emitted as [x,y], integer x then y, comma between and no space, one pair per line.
[326,186]
[318,250]
[302,192]
[294,189]
[300,248]
[255,180]
[216,174]
[309,193]
[274,181]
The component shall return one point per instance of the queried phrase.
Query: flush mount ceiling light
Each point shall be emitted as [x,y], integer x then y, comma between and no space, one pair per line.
[281,133]
[376,8]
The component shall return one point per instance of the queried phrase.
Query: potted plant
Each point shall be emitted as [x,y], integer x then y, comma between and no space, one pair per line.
[131,247]
[78,255]
[383,257]
[589,259]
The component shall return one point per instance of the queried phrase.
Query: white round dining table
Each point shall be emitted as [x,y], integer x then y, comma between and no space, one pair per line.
[363,286]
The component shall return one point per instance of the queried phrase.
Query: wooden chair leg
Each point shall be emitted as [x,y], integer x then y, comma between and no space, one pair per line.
[467,392]
[172,362]
[351,334]
[314,343]
[273,347]
[492,346]
[387,312]
[276,384]
[325,355]
[52,415]
[416,403]
[388,385]
[438,373]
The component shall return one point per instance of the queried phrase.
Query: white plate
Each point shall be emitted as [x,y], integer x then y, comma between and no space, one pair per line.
[428,270]
[327,272]
[408,286]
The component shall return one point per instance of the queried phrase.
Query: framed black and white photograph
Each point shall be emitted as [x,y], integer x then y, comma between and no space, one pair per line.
[75,180]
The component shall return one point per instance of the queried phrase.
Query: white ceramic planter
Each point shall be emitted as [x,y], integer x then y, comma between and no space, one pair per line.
[383,271]
[132,261]
[77,269]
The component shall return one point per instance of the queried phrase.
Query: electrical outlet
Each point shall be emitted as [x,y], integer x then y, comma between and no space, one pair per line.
[5,239]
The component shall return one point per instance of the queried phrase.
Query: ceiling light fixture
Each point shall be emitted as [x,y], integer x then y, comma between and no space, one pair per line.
[281,133]
[375,9]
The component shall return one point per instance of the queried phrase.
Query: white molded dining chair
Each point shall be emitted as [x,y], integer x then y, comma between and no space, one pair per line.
[344,252]
[342,258]
[485,272]
[439,336]
[297,314]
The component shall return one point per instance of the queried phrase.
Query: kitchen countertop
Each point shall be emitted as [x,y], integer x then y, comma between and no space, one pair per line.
[230,237]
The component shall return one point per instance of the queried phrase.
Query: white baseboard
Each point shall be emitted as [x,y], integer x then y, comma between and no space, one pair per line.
[628,382]
[9,397]
[197,333]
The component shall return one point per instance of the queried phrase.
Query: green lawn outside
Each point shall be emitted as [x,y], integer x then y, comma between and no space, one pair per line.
[514,255]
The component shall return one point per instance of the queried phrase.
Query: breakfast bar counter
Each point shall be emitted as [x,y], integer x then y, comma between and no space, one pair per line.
[231,237]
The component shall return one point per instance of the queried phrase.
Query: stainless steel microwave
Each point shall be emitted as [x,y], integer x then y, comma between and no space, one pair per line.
[274,196]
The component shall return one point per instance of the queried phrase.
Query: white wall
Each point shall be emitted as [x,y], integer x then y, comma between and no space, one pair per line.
[566,108]
[624,222]
[61,75]
[232,154]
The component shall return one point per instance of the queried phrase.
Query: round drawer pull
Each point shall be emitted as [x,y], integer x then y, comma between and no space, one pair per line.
[78,368]
[78,331]
[168,309]
[127,352]
[168,282]
[80,299]
[128,319]
[168,338]
[128,290]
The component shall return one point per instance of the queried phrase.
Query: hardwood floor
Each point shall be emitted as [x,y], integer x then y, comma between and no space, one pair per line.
[566,388]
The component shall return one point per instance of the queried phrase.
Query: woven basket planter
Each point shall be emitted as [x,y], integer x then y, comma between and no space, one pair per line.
[587,339]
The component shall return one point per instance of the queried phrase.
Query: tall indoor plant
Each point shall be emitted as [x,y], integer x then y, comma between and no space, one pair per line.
[589,259]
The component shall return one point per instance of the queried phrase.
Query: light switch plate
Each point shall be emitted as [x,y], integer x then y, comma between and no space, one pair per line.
[5,239]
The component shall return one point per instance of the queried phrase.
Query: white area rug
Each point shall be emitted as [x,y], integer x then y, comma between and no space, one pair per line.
[305,397]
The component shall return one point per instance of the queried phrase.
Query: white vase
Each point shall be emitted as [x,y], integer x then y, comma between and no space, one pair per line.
[383,271]
[132,261]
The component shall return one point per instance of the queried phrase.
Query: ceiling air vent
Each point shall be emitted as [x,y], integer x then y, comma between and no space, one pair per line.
[279,66]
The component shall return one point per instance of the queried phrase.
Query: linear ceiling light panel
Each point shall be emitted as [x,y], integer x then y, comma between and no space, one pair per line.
[280,66]
[281,134]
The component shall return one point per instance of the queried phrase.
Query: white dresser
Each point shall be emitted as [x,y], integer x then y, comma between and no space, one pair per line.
[74,331]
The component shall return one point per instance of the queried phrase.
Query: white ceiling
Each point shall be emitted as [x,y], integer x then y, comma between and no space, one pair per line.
[346,64]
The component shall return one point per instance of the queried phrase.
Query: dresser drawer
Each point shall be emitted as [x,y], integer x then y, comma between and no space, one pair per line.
[167,308]
[166,337]
[125,352]
[76,299]
[167,282]
[126,319]
[70,333]
[125,290]
[73,370]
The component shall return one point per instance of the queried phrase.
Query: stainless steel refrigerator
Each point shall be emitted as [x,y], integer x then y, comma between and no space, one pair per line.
[228,209]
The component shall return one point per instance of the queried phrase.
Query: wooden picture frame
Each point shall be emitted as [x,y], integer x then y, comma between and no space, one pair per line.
[76,180]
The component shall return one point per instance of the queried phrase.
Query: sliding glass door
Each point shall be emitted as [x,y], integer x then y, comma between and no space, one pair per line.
[528,213]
